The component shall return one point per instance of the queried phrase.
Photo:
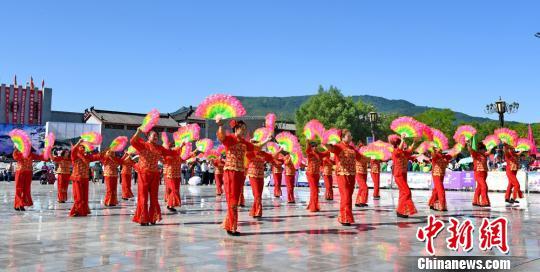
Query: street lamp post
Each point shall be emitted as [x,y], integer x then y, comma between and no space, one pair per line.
[501,107]
[373,118]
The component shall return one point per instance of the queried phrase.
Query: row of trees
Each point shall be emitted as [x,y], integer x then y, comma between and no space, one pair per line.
[334,109]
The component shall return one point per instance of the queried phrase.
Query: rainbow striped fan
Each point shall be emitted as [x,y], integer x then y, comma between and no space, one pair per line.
[270,121]
[314,130]
[261,134]
[287,141]
[523,145]
[49,143]
[21,141]
[507,136]
[204,145]
[424,147]
[220,105]
[187,133]
[407,126]
[439,139]
[119,143]
[92,137]
[464,133]
[150,120]
[332,136]
[186,151]
[491,141]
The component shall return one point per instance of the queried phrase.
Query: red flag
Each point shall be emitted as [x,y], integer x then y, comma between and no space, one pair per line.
[533,144]
[31,83]
[43,85]
[15,81]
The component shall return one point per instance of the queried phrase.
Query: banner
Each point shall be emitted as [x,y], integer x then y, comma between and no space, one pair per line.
[15,113]
[31,108]
[417,180]
[497,180]
[7,109]
[384,182]
[533,181]
[40,101]
[36,133]
[23,106]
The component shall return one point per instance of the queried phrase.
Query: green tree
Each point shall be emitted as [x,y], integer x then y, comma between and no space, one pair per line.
[443,120]
[332,109]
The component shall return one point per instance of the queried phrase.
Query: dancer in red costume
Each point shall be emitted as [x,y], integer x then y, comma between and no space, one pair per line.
[328,172]
[277,173]
[219,163]
[127,169]
[63,171]
[345,156]
[80,176]
[110,172]
[290,176]
[148,210]
[173,176]
[23,179]
[400,158]
[313,173]
[375,172]
[513,191]
[439,162]
[361,178]
[234,170]
[257,159]
[480,168]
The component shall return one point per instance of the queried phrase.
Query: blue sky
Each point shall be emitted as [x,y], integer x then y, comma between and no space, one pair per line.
[136,55]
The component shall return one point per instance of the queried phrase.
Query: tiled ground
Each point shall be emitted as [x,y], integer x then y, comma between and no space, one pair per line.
[288,238]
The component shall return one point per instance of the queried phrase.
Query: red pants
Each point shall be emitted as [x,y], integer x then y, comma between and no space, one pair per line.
[219,183]
[329,192]
[277,184]
[172,192]
[438,195]
[346,190]
[23,182]
[289,181]
[126,186]
[513,185]
[257,185]
[481,192]
[405,203]
[376,177]
[63,184]
[148,187]
[80,194]
[313,181]
[111,192]
[234,182]
[362,196]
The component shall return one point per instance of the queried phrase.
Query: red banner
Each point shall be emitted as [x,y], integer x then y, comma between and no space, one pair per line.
[40,101]
[7,109]
[23,107]
[15,102]
[31,113]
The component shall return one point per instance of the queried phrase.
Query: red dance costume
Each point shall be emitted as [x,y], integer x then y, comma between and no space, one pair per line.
[361,179]
[345,156]
[80,177]
[218,175]
[438,195]
[148,210]
[513,190]
[313,173]
[233,175]
[255,173]
[127,168]
[173,175]
[405,204]
[110,172]
[290,175]
[63,171]
[480,168]
[328,169]
[375,172]
[23,179]
[277,174]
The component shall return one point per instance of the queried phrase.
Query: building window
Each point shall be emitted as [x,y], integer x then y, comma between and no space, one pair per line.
[172,130]
[132,127]
[111,126]
[202,125]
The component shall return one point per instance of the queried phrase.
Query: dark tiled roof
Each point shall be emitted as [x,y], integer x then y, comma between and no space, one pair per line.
[129,118]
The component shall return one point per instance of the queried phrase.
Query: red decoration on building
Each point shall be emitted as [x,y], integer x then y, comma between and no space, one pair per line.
[31,108]
[23,106]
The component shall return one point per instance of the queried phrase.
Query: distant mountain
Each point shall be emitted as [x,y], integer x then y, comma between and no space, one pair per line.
[286,107]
